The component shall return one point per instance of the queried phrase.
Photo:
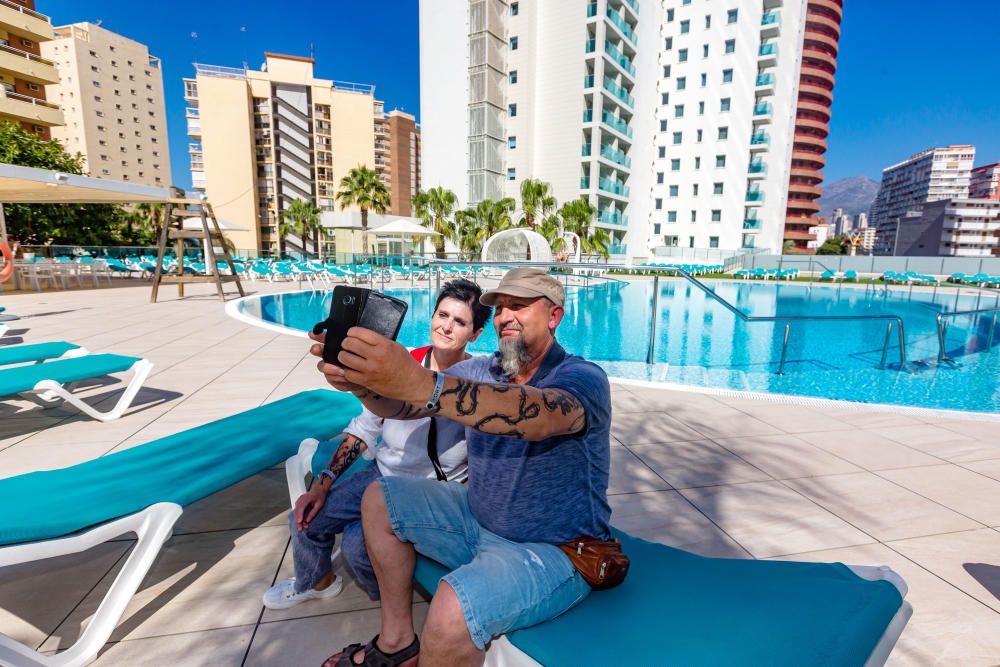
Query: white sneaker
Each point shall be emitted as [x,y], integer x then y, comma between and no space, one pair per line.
[282,595]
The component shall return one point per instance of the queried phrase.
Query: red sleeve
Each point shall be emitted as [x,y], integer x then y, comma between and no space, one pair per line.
[419,353]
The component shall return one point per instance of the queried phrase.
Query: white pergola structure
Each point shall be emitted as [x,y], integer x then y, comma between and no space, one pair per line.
[517,245]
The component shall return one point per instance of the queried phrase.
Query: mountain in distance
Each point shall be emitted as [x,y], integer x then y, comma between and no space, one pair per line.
[854,194]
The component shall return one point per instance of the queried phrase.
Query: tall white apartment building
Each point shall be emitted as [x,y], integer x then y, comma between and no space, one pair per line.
[930,175]
[688,123]
[111,92]
[985,182]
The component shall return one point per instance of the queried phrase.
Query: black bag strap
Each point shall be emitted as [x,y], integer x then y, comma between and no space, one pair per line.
[432,448]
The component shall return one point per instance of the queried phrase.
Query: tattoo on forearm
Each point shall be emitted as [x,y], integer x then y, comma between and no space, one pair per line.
[469,396]
[345,456]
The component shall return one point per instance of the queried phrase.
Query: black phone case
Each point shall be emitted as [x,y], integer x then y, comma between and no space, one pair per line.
[345,312]
[383,314]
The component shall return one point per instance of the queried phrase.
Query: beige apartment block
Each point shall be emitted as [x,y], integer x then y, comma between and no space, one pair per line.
[24,72]
[111,90]
[403,168]
[262,139]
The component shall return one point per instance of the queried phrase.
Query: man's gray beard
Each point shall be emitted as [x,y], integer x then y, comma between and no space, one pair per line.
[514,357]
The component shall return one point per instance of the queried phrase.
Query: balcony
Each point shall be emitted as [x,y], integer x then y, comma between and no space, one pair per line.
[25,22]
[27,66]
[194,127]
[192,112]
[191,90]
[614,187]
[616,156]
[585,150]
[770,24]
[617,249]
[584,183]
[610,217]
[28,109]
[592,10]
[619,92]
[755,197]
[634,5]
[751,225]
[619,58]
[624,28]
[757,168]
[588,115]
[762,112]
[616,124]
[764,84]
[588,81]
[759,141]
[767,54]
[590,46]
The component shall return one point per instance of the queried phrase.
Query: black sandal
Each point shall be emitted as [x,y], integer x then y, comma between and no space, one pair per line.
[373,656]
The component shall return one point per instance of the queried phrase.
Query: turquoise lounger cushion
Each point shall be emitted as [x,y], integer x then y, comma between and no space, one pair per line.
[24,378]
[180,468]
[20,354]
[677,608]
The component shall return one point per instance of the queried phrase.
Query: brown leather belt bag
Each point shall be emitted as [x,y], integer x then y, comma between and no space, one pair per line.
[601,563]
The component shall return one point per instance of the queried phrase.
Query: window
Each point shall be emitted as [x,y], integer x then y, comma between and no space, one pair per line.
[677,137]
[694,189]
[666,71]
[691,239]
[704,80]
[672,217]
[34,87]
[658,204]
[713,241]
[730,45]
[694,216]
[97,98]
[724,104]
[675,164]
[664,98]
[701,108]
[511,173]
[732,15]
[513,8]
[97,84]
[511,142]
[663,126]
[697,163]
[512,76]
[100,114]
[727,76]
[679,111]
[723,133]
[704,50]
[708,21]
[699,136]
[681,82]
[511,110]
[656,228]
[670,15]
[27,42]
[716,215]
[720,161]
[114,77]
[670,241]
[682,55]
[95,68]
[661,151]
[100,128]
[717,188]
[513,43]
[668,43]
[674,190]
[105,171]
[685,27]
[659,178]
[93,54]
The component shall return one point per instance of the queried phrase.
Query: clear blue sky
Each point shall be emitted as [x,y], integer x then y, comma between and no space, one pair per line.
[911,74]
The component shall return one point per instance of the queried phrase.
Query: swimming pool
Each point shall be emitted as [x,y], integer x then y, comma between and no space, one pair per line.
[700,343]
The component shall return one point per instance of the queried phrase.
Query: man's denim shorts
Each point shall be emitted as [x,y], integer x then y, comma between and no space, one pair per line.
[501,585]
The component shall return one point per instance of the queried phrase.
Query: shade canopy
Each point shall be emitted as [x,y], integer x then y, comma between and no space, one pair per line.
[27,185]
[404,227]
[519,244]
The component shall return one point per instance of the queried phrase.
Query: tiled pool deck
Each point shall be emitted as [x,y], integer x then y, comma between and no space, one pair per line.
[716,475]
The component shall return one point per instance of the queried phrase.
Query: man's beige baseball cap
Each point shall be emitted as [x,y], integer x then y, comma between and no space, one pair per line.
[526,283]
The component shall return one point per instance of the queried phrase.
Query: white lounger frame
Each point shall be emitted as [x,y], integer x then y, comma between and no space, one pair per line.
[502,653]
[152,526]
[50,394]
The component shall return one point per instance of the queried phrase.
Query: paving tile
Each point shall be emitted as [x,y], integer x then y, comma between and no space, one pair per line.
[642,428]
[967,560]
[793,419]
[210,648]
[769,519]
[985,431]
[666,517]
[630,475]
[261,500]
[969,493]
[879,507]
[30,457]
[948,627]
[869,450]
[697,463]
[785,456]
[875,419]
[990,468]
[310,641]
[942,443]
[725,422]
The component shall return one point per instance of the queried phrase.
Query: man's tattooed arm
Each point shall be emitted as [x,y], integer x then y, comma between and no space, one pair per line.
[514,410]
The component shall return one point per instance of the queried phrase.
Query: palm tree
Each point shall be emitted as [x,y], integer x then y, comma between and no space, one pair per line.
[484,220]
[362,186]
[578,217]
[552,229]
[150,217]
[536,201]
[284,229]
[302,217]
[435,207]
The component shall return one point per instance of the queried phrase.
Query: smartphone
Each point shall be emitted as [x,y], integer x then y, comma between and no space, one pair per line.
[357,306]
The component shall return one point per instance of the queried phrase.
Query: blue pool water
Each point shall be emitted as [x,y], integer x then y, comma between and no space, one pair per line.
[699,342]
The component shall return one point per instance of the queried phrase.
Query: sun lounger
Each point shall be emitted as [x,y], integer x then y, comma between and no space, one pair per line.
[51,383]
[39,352]
[676,607]
[142,490]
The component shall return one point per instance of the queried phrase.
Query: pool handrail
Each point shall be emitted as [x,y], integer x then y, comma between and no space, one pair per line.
[786,319]
[942,328]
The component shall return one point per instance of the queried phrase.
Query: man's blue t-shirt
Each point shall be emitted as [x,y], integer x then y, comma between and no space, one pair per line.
[552,490]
